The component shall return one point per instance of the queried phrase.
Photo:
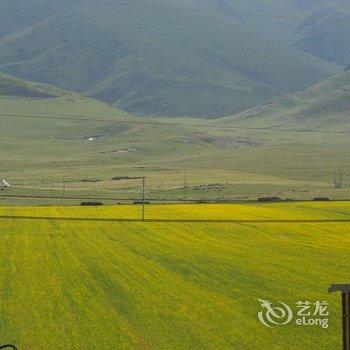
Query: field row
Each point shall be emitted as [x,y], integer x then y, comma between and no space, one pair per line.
[162,285]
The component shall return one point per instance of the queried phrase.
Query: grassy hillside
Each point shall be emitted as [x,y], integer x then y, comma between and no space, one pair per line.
[326,31]
[272,152]
[14,87]
[323,106]
[169,285]
[162,57]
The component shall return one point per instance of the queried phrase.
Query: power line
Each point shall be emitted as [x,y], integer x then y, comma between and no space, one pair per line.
[164,8]
[157,123]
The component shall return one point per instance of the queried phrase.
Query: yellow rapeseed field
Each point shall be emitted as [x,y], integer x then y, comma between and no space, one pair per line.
[189,277]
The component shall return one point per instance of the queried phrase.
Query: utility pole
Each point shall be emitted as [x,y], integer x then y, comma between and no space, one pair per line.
[338,178]
[143,199]
[185,183]
[64,186]
[335,178]
[345,290]
[341,178]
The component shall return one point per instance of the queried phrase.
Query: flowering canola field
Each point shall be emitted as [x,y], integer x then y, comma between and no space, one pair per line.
[189,277]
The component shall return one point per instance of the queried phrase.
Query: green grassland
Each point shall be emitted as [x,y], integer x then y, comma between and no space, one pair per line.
[275,151]
[168,284]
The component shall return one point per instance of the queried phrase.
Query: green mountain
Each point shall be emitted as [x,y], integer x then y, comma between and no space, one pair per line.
[166,57]
[324,106]
[325,33]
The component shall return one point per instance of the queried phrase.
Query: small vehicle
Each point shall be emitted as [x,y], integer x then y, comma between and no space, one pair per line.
[91,204]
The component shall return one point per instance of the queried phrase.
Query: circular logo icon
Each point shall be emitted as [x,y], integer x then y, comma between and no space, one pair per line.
[271,315]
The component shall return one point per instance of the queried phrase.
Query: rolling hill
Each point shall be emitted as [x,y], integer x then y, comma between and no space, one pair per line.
[163,58]
[268,150]
[15,87]
[325,105]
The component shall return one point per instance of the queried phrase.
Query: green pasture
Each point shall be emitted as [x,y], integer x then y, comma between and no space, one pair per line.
[242,164]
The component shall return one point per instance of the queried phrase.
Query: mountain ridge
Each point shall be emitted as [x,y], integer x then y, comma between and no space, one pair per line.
[150,60]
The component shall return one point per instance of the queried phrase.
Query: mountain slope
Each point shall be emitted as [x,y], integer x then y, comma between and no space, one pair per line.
[160,57]
[19,14]
[10,86]
[326,32]
[324,106]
